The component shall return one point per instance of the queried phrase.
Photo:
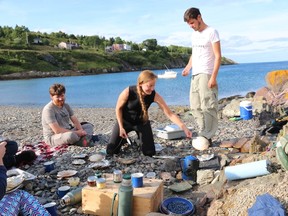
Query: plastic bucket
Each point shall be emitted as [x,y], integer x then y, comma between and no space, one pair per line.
[246,110]
[189,166]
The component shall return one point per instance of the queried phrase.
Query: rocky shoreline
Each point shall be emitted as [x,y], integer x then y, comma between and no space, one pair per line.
[23,124]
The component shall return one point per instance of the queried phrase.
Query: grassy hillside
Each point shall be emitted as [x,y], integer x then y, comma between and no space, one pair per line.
[49,59]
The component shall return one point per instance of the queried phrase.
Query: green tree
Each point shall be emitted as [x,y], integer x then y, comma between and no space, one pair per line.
[111,41]
[19,32]
[118,40]
[150,44]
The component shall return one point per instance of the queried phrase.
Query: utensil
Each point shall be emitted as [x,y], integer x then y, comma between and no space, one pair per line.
[129,141]
[79,156]
[165,157]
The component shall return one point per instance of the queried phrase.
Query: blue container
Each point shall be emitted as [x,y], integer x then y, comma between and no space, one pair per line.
[177,206]
[189,166]
[246,110]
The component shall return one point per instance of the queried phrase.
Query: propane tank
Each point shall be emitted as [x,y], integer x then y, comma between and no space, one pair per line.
[125,197]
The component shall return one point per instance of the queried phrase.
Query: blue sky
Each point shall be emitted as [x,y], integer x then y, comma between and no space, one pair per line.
[250,30]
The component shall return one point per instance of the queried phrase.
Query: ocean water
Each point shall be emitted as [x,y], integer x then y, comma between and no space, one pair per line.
[103,90]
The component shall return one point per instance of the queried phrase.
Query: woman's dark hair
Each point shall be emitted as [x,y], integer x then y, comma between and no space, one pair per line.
[191,13]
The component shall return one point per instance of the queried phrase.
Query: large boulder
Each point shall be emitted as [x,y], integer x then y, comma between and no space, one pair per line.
[276,80]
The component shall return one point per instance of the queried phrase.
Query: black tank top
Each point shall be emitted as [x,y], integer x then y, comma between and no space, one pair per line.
[132,111]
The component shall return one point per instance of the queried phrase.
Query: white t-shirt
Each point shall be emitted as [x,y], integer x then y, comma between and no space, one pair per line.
[202,51]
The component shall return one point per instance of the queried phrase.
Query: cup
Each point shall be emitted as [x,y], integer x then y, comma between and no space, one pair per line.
[49,166]
[74,181]
[137,180]
[151,175]
[51,208]
[63,190]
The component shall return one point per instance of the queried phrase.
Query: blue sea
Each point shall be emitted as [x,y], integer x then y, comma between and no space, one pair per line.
[103,90]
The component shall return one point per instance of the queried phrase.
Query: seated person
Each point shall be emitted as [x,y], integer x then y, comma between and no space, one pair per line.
[132,115]
[12,159]
[18,201]
[56,116]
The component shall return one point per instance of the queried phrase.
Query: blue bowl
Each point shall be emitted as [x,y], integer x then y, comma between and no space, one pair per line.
[178,206]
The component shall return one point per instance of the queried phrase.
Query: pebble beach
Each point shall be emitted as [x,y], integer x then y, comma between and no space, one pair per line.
[23,124]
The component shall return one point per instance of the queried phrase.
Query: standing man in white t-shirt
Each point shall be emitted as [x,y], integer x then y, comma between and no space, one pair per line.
[204,62]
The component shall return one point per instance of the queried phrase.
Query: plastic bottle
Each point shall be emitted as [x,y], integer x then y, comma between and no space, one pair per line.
[72,197]
[125,199]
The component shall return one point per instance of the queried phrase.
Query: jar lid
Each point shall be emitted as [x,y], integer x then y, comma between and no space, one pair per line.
[117,172]
[91,178]
[127,176]
[101,180]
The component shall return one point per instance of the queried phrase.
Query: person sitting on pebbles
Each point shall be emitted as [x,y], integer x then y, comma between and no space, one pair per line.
[132,115]
[18,202]
[56,116]
[13,158]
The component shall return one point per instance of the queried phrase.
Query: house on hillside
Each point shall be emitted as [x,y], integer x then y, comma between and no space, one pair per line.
[108,49]
[37,40]
[121,47]
[68,45]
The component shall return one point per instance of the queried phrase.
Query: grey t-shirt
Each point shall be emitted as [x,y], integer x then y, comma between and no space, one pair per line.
[51,113]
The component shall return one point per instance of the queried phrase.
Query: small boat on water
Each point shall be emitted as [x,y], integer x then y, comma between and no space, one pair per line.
[168,74]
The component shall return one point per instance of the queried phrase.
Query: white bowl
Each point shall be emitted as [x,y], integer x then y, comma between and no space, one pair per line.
[200,143]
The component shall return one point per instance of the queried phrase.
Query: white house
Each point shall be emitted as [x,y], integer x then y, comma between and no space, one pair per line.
[64,45]
[121,47]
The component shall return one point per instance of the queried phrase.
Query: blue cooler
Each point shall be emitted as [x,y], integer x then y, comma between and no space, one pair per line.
[246,110]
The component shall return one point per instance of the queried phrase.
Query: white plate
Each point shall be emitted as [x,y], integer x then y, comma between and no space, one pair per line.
[101,164]
[79,156]
[26,175]
[205,157]
[66,173]
[126,161]
[14,189]
[14,181]
[78,162]
[96,158]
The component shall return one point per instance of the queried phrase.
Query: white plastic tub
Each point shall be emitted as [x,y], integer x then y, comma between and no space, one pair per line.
[171,132]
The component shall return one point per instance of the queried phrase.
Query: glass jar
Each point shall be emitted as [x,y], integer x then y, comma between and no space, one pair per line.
[117,176]
[101,183]
[91,181]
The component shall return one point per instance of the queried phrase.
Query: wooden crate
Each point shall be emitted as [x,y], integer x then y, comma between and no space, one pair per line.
[146,199]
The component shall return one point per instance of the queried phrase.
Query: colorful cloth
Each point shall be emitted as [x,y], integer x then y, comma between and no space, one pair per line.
[22,202]
[45,151]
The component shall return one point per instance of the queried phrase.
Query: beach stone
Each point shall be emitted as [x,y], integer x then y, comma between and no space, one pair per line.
[276,79]
[238,144]
[232,109]
[205,177]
